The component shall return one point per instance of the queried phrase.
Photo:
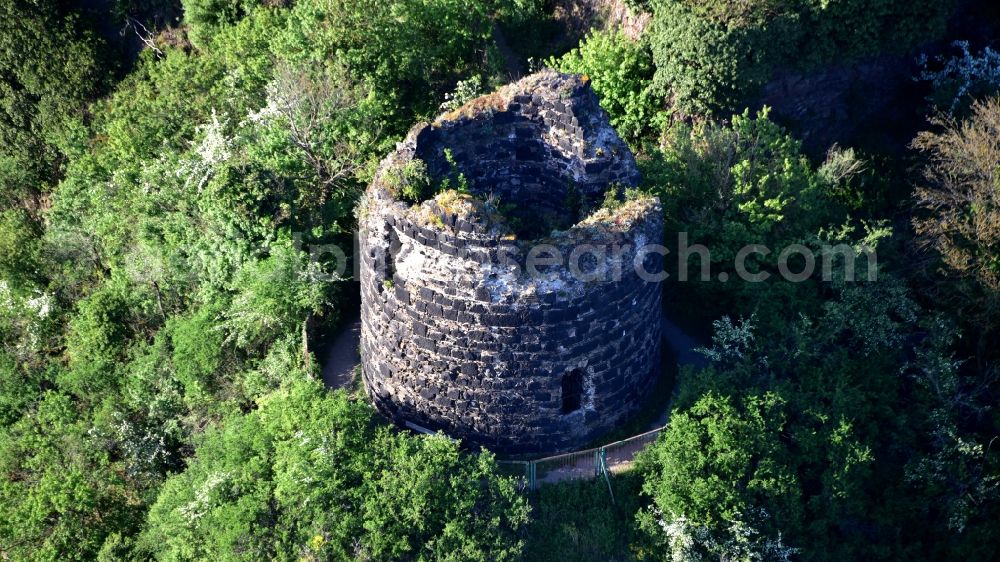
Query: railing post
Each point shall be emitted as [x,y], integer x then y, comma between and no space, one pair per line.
[604,470]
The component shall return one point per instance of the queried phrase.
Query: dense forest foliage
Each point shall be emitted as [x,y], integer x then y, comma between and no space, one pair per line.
[169,170]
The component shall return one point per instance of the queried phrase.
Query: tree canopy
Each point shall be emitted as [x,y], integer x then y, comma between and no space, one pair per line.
[174,173]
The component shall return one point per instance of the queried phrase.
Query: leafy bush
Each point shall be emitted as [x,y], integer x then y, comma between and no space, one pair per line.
[958,211]
[727,187]
[712,55]
[802,435]
[18,389]
[309,475]
[20,249]
[198,349]
[578,521]
[205,17]
[620,71]
[97,342]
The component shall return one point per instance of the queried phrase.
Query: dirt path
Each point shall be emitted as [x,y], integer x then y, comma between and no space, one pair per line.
[510,61]
[340,359]
[683,345]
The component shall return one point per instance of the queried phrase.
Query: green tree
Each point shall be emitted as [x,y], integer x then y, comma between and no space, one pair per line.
[18,389]
[275,296]
[309,475]
[712,56]
[726,187]
[716,468]
[97,342]
[43,93]
[20,250]
[704,65]
[61,491]
[198,349]
[620,71]
[410,53]
[958,212]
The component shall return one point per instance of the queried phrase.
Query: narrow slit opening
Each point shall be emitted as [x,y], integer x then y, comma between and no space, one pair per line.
[572,391]
[389,261]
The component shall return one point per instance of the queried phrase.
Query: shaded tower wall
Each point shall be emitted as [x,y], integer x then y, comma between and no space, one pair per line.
[458,334]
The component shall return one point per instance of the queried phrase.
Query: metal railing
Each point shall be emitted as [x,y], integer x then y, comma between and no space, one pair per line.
[580,465]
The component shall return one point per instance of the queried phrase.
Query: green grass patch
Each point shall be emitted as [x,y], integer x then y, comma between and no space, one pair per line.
[577,521]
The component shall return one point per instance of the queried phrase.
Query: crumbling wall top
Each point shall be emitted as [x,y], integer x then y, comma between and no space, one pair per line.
[534,157]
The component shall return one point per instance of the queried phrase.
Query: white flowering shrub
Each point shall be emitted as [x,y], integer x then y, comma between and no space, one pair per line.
[961,78]
[205,496]
[214,150]
[731,341]
[25,320]
[734,541]
[465,91]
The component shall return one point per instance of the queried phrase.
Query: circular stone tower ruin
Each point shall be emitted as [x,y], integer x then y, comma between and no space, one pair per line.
[501,299]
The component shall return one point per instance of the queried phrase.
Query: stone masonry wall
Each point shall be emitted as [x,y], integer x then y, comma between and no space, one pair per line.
[457,334]
[537,152]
